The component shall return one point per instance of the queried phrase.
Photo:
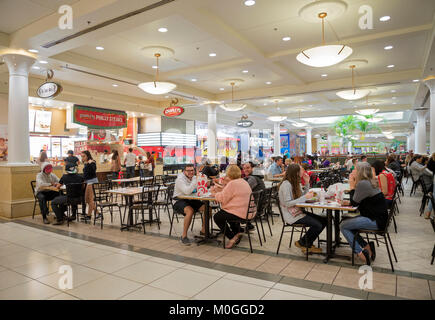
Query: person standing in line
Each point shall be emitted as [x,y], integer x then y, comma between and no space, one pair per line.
[90,177]
[71,158]
[150,164]
[130,163]
[115,164]
[43,158]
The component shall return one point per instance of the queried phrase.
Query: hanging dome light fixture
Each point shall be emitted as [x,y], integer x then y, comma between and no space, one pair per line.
[157,87]
[324,55]
[233,106]
[354,94]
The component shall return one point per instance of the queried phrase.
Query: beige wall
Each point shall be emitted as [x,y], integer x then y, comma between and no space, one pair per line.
[3,108]
[58,121]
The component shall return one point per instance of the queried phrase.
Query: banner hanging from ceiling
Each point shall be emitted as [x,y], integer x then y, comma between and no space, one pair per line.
[97,118]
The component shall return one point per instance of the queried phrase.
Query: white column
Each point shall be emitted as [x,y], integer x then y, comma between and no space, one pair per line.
[212,133]
[18,111]
[411,145]
[349,147]
[309,150]
[277,139]
[330,144]
[420,132]
[430,82]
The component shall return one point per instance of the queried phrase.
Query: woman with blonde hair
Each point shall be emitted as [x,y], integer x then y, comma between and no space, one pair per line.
[366,195]
[234,198]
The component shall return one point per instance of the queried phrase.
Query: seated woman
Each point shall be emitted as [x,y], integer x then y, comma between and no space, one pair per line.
[234,199]
[372,207]
[290,194]
[386,181]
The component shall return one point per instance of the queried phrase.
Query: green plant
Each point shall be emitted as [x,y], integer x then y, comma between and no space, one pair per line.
[345,126]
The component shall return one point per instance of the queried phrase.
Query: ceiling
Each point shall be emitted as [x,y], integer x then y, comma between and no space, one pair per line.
[248,45]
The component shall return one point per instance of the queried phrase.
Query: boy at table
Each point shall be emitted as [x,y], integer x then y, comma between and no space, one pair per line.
[185,185]
[46,184]
[59,203]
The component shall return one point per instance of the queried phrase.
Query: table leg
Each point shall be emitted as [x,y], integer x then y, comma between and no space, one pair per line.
[337,228]
[207,238]
[328,236]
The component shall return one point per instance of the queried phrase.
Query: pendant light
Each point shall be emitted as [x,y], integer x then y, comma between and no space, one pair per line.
[276,118]
[368,111]
[157,87]
[232,107]
[324,55]
[300,124]
[354,94]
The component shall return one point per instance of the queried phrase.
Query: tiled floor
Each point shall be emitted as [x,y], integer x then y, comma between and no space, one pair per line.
[112,257]
[104,272]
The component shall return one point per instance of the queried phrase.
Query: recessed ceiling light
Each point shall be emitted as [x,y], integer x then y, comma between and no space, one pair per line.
[115,85]
[393,91]
[268,82]
[286,39]
[393,98]
[388,47]
[194,80]
[249,3]
[166,97]
[390,66]
[43,62]
[36,67]
[384,18]
[324,75]
[302,100]
[99,48]
[212,54]
[245,71]
[155,67]
[415,80]
[221,89]
[33,50]
[163,29]
[394,102]
[264,104]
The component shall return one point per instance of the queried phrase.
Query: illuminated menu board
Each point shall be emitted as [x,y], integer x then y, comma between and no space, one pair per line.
[43,121]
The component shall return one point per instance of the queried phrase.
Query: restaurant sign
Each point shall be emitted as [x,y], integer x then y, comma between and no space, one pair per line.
[173,111]
[49,90]
[245,123]
[97,118]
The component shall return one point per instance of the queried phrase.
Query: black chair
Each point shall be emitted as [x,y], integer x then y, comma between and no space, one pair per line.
[33,185]
[252,210]
[432,221]
[383,233]
[103,200]
[74,196]
[166,201]
[262,212]
[415,184]
[146,182]
[302,228]
[426,197]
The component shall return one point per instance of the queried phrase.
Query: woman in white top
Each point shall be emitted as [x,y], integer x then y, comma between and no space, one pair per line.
[290,194]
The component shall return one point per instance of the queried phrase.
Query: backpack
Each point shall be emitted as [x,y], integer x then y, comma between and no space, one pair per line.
[391,184]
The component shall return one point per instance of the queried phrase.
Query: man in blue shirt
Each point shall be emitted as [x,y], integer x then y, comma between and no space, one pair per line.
[276,168]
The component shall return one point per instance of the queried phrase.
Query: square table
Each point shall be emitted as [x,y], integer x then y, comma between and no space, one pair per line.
[330,208]
[206,198]
[129,194]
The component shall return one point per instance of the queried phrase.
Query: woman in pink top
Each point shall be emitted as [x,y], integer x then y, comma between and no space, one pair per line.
[234,199]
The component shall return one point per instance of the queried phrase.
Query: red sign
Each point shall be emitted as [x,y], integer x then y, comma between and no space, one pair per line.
[96,118]
[173,111]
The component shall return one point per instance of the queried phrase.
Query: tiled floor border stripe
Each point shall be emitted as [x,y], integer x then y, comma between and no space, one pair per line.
[313,259]
[307,284]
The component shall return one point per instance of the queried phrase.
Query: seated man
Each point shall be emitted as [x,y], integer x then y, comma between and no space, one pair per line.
[276,168]
[46,185]
[59,203]
[185,184]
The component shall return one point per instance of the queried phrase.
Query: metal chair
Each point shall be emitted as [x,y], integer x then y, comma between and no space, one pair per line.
[74,196]
[104,200]
[302,228]
[262,213]
[33,185]
[252,210]
[432,221]
[383,233]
